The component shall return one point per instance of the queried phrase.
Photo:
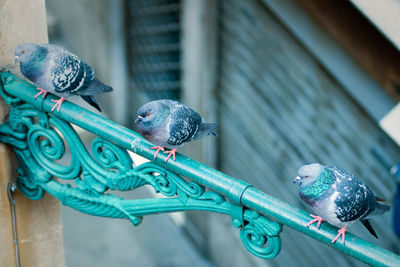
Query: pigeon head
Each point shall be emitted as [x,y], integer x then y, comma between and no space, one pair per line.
[28,51]
[308,173]
[151,115]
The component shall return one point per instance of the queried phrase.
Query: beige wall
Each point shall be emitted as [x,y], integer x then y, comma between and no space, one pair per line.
[38,222]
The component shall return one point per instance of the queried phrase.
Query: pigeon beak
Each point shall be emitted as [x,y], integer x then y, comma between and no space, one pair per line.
[139,118]
[298,178]
[16,59]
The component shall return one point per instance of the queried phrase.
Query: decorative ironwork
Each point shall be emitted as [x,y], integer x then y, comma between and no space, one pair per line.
[41,140]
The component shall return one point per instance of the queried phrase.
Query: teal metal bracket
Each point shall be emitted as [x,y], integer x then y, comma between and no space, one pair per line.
[40,138]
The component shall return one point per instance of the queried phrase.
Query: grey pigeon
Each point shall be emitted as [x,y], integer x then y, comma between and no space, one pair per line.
[56,70]
[338,197]
[169,124]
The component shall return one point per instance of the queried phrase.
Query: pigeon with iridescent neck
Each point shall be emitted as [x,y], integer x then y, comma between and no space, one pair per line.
[169,124]
[58,71]
[338,197]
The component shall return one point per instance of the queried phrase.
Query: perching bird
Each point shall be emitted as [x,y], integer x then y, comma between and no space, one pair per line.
[396,200]
[169,124]
[338,197]
[396,212]
[56,70]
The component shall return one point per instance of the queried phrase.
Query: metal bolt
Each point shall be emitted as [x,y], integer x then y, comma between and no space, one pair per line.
[236,223]
[9,79]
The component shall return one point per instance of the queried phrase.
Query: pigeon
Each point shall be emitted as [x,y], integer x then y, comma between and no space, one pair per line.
[396,200]
[396,212]
[338,197]
[56,70]
[169,124]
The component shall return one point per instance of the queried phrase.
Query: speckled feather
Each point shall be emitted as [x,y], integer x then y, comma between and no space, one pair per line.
[183,126]
[68,73]
[171,124]
[355,200]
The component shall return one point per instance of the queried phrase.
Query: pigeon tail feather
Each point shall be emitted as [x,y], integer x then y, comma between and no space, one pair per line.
[95,87]
[380,208]
[92,101]
[367,225]
[215,134]
[206,129]
[380,199]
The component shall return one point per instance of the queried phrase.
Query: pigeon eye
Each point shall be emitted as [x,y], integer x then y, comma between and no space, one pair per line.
[23,51]
[306,176]
[147,114]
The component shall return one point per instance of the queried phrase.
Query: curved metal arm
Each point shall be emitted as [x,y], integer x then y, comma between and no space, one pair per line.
[39,138]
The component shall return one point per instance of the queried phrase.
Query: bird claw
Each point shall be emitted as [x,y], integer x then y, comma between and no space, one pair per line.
[171,153]
[316,219]
[42,91]
[158,150]
[58,103]
[341,232]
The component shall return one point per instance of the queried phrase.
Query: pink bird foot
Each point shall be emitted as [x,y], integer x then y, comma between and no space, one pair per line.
[171,153]
[316,219]
[58,103]
[42,91]
[341,232]
[158,150]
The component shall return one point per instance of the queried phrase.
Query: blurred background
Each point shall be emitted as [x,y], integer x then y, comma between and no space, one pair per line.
[289,82]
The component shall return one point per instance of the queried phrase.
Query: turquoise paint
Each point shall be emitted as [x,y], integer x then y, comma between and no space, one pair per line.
[259,217]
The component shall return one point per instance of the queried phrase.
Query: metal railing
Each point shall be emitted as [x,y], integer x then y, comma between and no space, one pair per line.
[39,138]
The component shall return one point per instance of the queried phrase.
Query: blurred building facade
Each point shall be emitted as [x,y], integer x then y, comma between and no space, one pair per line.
[286,88]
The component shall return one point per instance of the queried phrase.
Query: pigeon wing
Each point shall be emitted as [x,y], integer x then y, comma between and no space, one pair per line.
[355,200]
[184,125]
[69,74]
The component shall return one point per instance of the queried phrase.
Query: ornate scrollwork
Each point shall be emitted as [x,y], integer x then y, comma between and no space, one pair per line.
[260,235]
[47,147]
[10,100]
[171,184]
[27,185]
